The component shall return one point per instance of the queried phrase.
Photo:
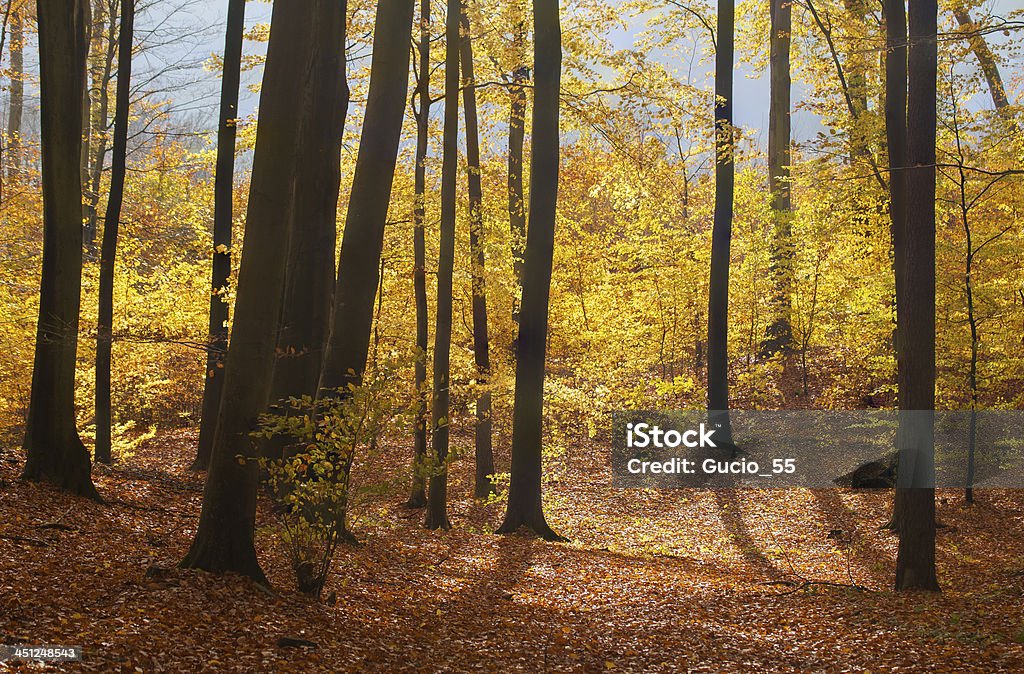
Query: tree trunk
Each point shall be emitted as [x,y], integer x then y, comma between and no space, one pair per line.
[516,199]
[437,503]
[987,60]
[54,451]
[524,496]
[309,278]
[418,494]
[111,223]
[17,95]
[484,452]
[102,75]
[915,561]
[363,239]
[896,139]
[721,235]
[779,336]
[223,215]
[224,540]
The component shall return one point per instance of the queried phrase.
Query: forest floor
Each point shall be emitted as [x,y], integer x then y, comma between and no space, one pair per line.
[653,581]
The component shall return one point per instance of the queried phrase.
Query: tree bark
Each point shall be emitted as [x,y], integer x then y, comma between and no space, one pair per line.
[418,493]
[55,452]
[111,224]
[721,235]
[524,496]
[363,239]
[779,336]
[915,561]
[223,218]
[309,278]
[987,61]
[484,452]
[17,95]
[102,74]
[437,503]
[224,540]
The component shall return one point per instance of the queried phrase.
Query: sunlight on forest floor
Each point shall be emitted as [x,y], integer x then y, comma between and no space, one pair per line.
[652,581]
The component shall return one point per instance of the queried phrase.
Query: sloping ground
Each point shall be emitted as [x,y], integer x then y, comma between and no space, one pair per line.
[652,581]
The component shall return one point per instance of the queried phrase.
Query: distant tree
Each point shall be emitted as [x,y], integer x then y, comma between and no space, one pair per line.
[524,495]
[915,560]
[223,215]
[779,336]
[111,225]
[224,539]
[484,453]
[418,494]
[721,234]
[17,101]
[101,68]
[986,59]
[516,197]
[437,517]
[363,238]
[54,451]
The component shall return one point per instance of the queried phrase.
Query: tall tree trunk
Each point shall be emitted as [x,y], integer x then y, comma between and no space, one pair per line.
[779,336]
[524,496]
[363,238]
[223,215]
[102,75]
[54,451]
[86,153]
[516,198]
[896,139]
[418,493]
[987,60]
[309,278]
[484,451]
[915,561]
[721,234]
[111,223]
[437,503]
[224,540]
[17,95]
[857,80]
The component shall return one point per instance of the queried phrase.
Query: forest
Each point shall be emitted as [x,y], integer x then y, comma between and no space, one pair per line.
[330,330]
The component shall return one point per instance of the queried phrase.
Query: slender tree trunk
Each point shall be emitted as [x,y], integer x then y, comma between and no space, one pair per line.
[987,60]
[223,216]
[363,238]
[484,453]
[86,153]
[915,561]
[721,235]
[418,494]
[17,96]
[54,451]
[102,76]
[437,503]
[857,79]
[896,140]
[111,224]
[779,336]
[224,540]
[309,279]
[516,199]
[524,496]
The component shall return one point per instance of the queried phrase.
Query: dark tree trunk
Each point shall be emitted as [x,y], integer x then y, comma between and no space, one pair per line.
[779,336]
[721,235]
[309,278]
[516,199]
[224,540]
[437,503]
[223,214]
[915,561]
[102,73]
[418,494]
[484,452]
[54,451]
[111,224]
[896,139]
[17,95]
[986,59]
[524,496]
[363,238]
